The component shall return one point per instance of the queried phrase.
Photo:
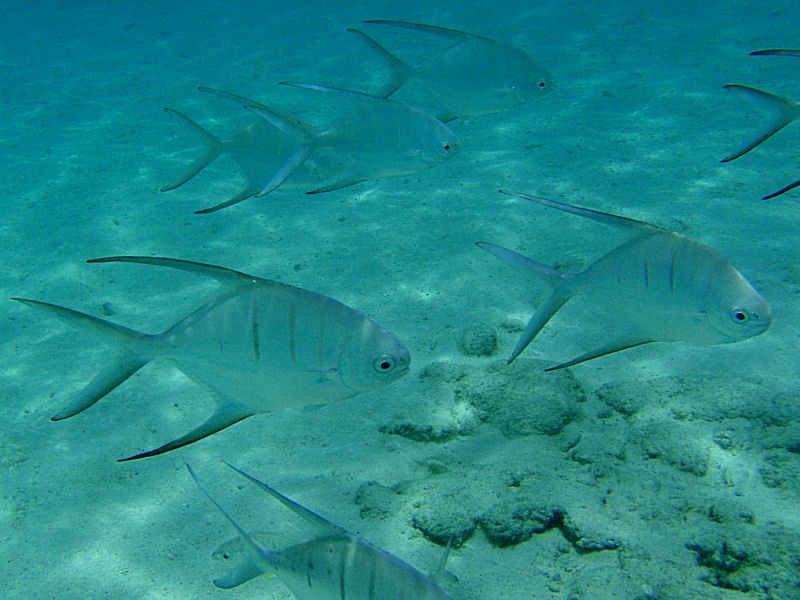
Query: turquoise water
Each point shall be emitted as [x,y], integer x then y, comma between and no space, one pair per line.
[666,471]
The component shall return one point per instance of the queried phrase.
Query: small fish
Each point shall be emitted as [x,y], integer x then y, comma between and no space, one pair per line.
[661,286]
[373,139]
[334,565]
[785,112]
[258,345]
[474,75]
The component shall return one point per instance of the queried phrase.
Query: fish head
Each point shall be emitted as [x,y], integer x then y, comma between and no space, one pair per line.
[436,144]
[740,314]
[377,358]
[520,79]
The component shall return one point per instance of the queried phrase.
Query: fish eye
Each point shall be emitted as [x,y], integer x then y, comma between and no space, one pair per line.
[542,84]
[740,315]
[383,364]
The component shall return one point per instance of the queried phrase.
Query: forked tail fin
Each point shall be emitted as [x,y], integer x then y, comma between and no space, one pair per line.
[785,111]
[558,297]
[213,148]
[134,350]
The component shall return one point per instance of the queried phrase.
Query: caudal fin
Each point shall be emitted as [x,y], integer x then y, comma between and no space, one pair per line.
[557,281]
[133,351]
[398,70]
[213,148]
[785,111]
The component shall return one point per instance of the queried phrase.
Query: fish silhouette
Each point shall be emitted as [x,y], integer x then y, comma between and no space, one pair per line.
[374,138]
[334,565]
[258,345]
[473,75]
[660,285]
[785,112]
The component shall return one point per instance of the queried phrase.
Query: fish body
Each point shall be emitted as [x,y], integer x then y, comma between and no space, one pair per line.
[372,139]
[334,565]
[473,75]
[258,345]
[659,286]
[784,110]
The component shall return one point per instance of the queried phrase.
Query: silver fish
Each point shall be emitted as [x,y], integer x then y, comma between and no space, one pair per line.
[785,112]
[259,345]
[474,75]
[661,285]
[334,565]
[373,139]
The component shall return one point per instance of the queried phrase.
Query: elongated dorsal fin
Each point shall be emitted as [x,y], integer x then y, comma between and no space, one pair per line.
[601,217]
[453,34]
[221,274]
[342,92]
[257,553]
[320,523]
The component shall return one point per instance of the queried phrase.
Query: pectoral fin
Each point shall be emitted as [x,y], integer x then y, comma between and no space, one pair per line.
[225,416]
[617,345]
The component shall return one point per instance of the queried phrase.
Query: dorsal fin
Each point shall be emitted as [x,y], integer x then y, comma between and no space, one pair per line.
[601,217]
[453,34]
[258,554]
[344,93]
[320,523]
[224,276]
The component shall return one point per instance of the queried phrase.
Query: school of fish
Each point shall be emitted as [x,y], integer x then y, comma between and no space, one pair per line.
[259,345]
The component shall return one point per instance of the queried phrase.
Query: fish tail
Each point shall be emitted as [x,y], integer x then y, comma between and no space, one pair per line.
[784,109]
[398,70]
[135,350]
[257,558]
[213,148]
[558,282]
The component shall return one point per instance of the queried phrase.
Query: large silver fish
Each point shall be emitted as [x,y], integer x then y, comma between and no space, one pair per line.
[661,286]
[373,139]
[334,565]
[258,345]
[474,75]
[785,112]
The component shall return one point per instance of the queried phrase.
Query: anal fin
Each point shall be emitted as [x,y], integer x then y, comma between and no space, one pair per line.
[225,416]
[617,345]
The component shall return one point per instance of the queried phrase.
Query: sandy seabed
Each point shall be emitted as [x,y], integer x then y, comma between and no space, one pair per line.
[668,471]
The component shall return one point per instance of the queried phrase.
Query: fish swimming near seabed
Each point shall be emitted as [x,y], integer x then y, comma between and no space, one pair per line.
[372,139]
[258,346]
[785,112]
[334,565]
[473,75]
[660,286]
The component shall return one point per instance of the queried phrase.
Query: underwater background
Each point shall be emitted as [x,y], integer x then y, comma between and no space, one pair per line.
[667,471]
